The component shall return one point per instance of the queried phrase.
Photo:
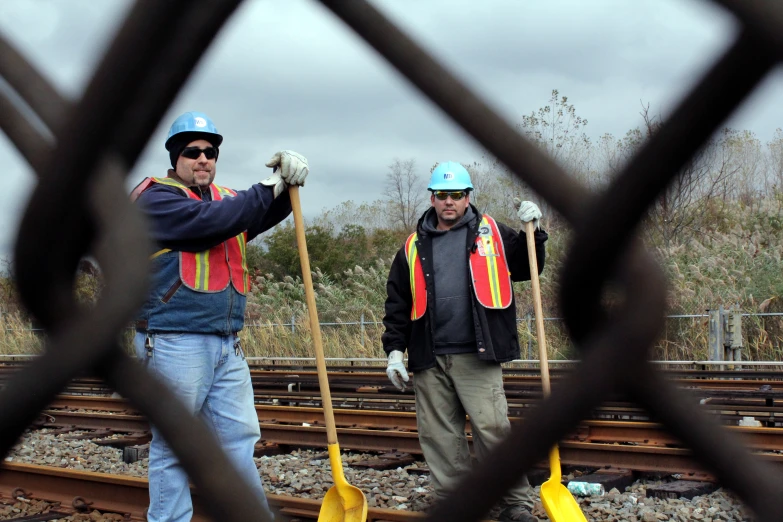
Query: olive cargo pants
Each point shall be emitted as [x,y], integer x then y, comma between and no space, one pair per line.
[460,384]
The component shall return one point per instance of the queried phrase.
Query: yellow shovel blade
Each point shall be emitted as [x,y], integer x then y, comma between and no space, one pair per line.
[558,502]
[343,502]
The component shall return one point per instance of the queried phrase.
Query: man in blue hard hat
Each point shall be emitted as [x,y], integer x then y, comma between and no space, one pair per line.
[450,303]
[187,331]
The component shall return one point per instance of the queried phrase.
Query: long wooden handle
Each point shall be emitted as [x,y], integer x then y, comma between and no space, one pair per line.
[537,306]
[315,327]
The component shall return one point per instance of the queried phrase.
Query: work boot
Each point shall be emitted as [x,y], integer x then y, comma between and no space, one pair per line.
[517,514]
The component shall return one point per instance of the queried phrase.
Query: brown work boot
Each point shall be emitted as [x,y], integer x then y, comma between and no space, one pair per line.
[517,514]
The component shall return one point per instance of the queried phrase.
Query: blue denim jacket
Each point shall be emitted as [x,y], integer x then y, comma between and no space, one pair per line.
[173,307]
[180,223]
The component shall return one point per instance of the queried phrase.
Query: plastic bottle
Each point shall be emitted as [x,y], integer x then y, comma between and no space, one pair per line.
[586,489]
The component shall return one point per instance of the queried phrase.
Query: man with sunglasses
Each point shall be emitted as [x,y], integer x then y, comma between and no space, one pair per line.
[187,331]
[450,302]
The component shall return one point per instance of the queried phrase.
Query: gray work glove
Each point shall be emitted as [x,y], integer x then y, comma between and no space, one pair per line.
[291,166]
[395,370]
[276,181]
[528,211]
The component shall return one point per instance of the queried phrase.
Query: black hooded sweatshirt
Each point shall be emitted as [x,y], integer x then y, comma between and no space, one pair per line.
[494,331]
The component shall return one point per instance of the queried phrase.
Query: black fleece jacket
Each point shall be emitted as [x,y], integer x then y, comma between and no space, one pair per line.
[496,329]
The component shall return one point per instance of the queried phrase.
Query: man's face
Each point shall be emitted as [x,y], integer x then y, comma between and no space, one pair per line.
[198,172]
[449,210]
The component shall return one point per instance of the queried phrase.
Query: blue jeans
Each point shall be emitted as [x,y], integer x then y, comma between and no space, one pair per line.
[213,382]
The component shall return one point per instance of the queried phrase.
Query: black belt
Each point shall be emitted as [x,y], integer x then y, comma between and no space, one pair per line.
[141,325]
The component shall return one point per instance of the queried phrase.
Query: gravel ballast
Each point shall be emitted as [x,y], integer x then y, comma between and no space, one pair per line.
[306,473]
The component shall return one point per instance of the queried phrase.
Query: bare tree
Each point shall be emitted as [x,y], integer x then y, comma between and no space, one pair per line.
[557,130]
[706,180]
[775,162]
[405,191]
[372,216]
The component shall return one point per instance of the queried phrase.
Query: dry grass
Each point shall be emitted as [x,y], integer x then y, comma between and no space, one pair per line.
[737,260]
[17,337]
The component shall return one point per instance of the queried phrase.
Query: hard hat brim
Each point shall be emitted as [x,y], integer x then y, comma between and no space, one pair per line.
[448,186]
[212,137]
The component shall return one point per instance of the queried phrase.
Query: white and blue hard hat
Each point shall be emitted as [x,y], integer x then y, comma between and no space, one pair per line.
[194,125]
[450,175]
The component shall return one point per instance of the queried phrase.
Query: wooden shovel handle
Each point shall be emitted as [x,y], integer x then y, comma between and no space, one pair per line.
[537,306]
[315,327]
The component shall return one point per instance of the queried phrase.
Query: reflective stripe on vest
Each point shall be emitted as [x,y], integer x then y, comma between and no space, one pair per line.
[488,266]
[418,286]
[488,269]
[212,270]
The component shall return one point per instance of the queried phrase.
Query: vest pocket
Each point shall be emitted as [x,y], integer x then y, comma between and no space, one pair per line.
[171,291]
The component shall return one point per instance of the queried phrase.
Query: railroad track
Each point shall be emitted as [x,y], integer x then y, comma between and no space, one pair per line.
[84,491]
[371,416]
[358,387]
[640,446]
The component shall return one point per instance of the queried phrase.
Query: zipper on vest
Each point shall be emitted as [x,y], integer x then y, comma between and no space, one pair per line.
[228,263]
[230,288]
[427,317]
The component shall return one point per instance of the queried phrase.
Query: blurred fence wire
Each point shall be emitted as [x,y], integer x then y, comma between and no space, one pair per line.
[82,157]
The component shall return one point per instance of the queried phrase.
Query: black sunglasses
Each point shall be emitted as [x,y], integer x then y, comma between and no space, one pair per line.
[443,195]
[195,152]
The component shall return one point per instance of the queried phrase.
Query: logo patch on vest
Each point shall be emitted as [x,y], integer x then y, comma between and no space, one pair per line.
[486,248]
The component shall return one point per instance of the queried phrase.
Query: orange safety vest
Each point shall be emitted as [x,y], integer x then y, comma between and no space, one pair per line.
[488,269]
[212,270]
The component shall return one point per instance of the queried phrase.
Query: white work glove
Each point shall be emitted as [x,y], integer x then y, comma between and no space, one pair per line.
[291,165]
[528,211]
[395,370]
[276,181]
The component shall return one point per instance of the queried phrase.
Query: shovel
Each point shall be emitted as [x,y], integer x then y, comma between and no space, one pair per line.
[343,502]
[558,502]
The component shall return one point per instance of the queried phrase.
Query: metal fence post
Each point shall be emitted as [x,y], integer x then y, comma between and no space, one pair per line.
[292,322]
[715,348]
[736,341]
[361,323]
[728,335]
[529,321]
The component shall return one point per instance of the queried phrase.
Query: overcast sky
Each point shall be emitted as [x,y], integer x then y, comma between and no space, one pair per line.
[287,74]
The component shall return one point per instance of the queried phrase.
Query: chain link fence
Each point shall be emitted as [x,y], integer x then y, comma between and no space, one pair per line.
[82,159]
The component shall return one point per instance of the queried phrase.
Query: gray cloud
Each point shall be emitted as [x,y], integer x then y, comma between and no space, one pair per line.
[288,74]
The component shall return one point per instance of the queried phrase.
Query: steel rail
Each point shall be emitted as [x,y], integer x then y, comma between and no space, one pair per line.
[727,408]
[594,445]
[265,381]
[385,431]
[128,495]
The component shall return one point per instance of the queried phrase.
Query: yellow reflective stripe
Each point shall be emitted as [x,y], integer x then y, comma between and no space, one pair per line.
[492,267]
[412,254]
[242,250]
[206,271]
[197,278]
[202,270]
[160,252]
[170,182]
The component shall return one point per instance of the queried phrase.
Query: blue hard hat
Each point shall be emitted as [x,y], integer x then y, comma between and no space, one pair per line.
[196,123]
[450,175]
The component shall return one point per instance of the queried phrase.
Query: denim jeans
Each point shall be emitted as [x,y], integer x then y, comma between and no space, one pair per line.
[213,382]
